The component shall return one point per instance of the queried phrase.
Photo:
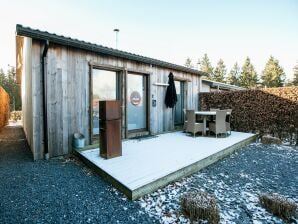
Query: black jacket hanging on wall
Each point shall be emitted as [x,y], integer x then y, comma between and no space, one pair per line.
[171,95]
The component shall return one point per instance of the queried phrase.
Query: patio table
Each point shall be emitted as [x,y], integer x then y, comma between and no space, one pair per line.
[205,114]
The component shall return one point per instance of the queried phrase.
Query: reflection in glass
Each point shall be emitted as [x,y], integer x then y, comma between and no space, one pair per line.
[179,104]
[136,102]
[104,86]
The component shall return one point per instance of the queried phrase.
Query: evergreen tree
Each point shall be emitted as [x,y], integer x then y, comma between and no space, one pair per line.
[273,74]
[219,72]
[188,63]
[233,76]
[248,77]
[8,82]
[205,66]
[2,78]
[289,82]
[295,79]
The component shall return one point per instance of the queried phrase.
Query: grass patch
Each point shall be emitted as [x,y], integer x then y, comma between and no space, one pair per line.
[200,205]
[279,205]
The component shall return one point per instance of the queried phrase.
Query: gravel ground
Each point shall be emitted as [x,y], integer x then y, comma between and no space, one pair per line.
[65,191]
[236,182]
[56,191]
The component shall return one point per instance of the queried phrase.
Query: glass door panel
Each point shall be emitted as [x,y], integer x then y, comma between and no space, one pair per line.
[136,102]
[179,105]
[104,87]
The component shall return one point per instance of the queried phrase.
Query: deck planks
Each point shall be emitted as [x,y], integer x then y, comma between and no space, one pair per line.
[165,158]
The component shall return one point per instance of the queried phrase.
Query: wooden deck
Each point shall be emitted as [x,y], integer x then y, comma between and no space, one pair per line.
[149,164]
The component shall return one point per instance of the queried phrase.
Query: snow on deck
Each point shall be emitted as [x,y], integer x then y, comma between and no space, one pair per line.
[144,161]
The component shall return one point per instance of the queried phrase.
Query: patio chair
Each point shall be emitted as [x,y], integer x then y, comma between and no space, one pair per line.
[211,118]
[191,125]
[219,126]
[228,121]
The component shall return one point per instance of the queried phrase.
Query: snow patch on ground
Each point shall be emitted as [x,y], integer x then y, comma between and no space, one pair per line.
[236,183]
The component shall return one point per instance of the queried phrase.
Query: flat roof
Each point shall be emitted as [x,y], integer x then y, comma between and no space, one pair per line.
[67,41]
[222,85]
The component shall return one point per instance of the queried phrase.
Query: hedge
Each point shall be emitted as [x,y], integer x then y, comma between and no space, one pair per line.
[4,107]
[266,111]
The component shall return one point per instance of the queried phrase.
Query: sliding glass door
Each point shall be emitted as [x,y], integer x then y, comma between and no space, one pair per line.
[179,116]
[136,102]
[104,87]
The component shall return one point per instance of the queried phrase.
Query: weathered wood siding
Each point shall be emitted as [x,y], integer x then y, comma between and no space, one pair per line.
[67,97]
[24,52]
[37,101]
[205,88]
[68,93]
[28,61]
[162,119]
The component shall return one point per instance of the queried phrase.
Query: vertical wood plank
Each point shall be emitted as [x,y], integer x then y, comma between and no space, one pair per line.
[69,94]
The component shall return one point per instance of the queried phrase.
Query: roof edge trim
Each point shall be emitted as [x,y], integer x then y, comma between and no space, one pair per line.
[67,41]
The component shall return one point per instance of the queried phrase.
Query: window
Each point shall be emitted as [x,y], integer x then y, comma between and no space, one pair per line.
[104,87]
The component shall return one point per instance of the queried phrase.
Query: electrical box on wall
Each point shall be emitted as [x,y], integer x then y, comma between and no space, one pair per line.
[153,103]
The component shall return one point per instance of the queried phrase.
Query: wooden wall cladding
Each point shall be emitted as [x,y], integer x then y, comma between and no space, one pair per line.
[68,93]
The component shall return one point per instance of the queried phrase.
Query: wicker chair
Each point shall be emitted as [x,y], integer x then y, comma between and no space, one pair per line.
[211,118]
[192,126]
[219,126]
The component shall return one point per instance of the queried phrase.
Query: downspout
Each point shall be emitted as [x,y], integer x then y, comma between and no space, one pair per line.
[44,94]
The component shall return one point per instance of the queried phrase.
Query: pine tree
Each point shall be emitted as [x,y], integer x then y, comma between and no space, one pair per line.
[295,79]
[219,72]
[8,82]
[188,63]
[273,74]
[248,77]
[2,78]
[205,66]
[233,76]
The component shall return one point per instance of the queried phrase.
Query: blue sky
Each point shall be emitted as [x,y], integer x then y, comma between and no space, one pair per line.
[168,30]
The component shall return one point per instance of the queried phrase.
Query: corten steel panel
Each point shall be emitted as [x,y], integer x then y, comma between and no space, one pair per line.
[110,139]
[110,128]
[110,110]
